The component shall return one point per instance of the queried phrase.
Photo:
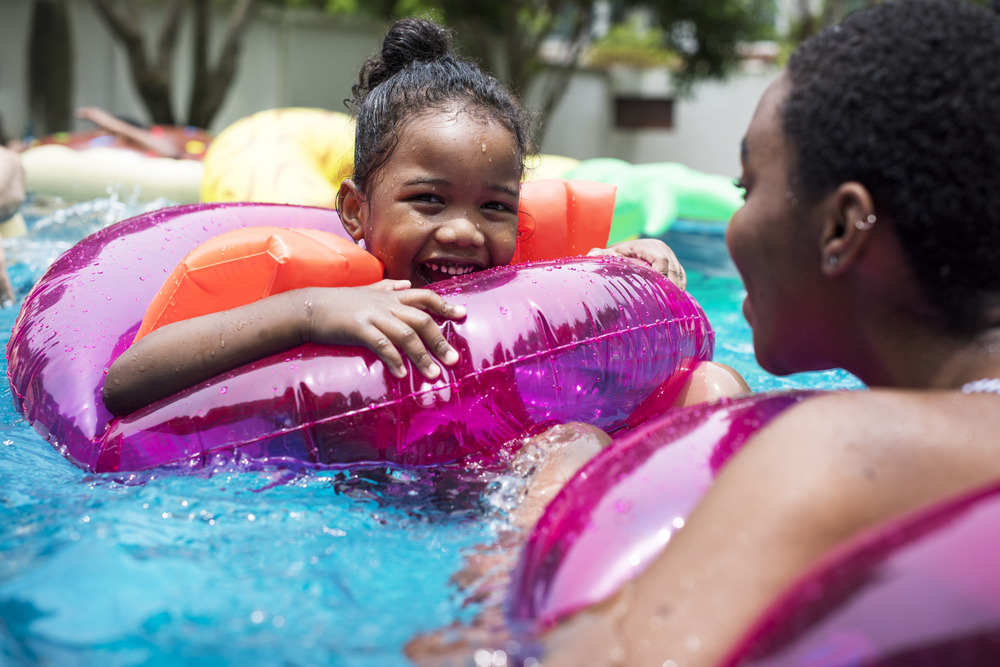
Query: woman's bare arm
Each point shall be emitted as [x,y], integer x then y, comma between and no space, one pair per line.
[818,475]
[385,318]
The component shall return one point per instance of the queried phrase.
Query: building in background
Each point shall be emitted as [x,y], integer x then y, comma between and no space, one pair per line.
[299,57]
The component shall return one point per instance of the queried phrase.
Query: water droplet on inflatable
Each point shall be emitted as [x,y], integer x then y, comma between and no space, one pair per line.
[224,390]
[503,310]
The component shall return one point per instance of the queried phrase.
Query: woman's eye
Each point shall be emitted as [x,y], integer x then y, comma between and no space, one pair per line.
[741,184]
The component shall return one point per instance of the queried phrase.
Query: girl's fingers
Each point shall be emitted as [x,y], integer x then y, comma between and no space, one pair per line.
[433,303]
[388,285]
[381,345]
[430,334]
[409,342]
[672,269]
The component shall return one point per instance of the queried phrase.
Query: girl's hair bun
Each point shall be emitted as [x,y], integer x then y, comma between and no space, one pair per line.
[408,41]
[417,71]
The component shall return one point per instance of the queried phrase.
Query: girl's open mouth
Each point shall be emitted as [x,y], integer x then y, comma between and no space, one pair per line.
[432,272]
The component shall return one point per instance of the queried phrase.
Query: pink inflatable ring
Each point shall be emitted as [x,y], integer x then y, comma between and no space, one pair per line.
[586,339]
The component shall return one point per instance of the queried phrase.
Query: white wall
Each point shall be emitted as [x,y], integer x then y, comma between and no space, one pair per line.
[708,126]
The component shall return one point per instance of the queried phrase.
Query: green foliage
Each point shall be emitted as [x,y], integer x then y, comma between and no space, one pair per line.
[629,44]
[706,33]
[695,38]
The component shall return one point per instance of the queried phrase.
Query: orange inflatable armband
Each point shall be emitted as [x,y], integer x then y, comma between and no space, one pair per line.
[560,218]
[245,265]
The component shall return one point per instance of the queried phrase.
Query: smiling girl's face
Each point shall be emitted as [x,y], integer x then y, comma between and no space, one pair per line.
[445,203]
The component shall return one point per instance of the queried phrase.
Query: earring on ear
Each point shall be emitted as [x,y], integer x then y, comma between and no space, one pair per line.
[866,224]
[832,261]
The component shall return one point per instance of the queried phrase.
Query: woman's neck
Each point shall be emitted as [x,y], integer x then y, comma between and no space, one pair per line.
[923,357]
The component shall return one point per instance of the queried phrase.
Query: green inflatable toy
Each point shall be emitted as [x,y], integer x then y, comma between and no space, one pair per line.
[651,197]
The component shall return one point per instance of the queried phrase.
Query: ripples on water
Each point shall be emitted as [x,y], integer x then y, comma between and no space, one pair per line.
[238,568]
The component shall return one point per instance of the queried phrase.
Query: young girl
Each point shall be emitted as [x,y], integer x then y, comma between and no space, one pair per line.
[439,156]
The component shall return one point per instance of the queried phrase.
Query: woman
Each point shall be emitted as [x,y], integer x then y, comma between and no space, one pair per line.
[870,241]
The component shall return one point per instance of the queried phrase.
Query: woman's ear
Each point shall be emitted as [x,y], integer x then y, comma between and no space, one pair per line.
[351,209]
[850,217]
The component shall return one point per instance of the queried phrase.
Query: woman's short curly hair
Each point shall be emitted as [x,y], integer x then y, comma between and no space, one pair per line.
[905,99]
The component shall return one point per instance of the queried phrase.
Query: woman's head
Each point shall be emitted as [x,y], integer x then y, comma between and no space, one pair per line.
[439,154]
[905,100]
[869,168]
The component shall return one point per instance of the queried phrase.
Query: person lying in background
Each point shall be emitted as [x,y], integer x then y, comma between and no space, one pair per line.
[131,132]
[11,197]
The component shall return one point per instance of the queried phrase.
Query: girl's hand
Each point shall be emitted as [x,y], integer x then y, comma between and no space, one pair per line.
[387,318]
[652,252]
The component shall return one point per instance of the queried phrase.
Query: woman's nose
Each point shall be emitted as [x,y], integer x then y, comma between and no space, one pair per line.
[461,231]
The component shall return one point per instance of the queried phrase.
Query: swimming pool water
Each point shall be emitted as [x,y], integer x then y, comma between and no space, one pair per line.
[239,568]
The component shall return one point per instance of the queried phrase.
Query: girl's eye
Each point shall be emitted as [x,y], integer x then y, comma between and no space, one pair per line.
[499,206]
[427,198]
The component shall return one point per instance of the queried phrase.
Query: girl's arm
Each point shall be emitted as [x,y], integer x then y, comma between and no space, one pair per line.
[387,318]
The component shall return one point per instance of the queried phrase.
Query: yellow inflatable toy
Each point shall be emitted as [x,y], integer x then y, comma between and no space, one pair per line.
[545,167]
[281,156]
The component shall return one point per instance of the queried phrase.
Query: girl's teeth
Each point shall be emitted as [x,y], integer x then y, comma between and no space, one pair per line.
[451,270]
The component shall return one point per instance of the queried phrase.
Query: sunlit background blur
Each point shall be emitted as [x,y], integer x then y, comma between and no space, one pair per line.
[653,81]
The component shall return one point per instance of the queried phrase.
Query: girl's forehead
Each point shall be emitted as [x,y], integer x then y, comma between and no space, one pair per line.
[457,139]
[452,122]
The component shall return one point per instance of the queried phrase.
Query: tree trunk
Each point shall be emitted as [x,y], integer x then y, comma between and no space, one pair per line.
[211,85]
[50,67]
[153,80]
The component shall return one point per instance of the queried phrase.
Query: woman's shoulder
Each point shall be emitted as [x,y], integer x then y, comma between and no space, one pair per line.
[894,415]
[892,447]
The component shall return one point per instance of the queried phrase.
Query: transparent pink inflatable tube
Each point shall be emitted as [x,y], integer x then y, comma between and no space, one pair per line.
[922,590]
[575,340]
[617,514]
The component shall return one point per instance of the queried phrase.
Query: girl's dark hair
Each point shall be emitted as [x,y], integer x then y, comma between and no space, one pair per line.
[415,71]
[905,99]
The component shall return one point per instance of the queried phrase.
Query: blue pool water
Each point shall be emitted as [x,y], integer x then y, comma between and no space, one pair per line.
[237,568]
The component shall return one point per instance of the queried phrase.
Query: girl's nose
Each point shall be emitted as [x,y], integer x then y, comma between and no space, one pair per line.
[460,231]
